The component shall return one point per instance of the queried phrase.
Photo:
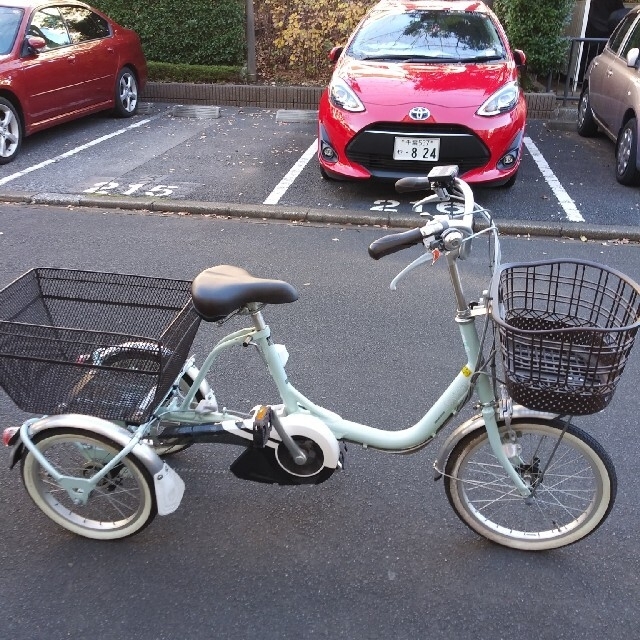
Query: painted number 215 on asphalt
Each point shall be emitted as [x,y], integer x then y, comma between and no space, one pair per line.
[106,188]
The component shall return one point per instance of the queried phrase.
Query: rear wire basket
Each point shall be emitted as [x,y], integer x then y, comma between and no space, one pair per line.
[103,344]
[566,330]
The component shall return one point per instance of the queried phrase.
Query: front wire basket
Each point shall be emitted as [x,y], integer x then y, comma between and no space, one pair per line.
[103,344]
[566,330]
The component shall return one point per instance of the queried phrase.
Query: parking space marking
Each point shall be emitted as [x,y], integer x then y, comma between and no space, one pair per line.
[292,174]
[73,152]
[569,206]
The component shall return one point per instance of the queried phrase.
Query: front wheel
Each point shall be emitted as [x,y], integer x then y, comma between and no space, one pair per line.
[121,504]
[574,486]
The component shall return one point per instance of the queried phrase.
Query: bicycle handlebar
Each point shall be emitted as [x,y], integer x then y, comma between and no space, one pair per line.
[395,242]
[398,241]
[419,183]
[441,181]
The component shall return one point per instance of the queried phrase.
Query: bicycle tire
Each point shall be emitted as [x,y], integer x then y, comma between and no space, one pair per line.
[564,508]
[122,504]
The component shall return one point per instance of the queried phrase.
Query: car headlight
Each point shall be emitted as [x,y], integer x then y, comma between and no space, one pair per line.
[341,95]
[501,101]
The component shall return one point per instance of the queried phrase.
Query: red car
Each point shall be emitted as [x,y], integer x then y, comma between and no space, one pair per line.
[419,84]
[60,61]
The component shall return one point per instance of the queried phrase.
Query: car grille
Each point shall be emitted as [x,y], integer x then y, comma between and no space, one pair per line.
[373,148]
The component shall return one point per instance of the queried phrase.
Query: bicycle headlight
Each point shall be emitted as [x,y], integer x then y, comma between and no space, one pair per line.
[342,95]
[503,100]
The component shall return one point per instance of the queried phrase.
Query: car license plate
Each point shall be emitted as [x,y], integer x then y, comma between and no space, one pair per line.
[424,149]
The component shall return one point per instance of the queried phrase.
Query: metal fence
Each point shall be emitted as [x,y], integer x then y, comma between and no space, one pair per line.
[567,82]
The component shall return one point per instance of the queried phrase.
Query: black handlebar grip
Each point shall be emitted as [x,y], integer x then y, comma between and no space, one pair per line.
[395,242]
[405,185]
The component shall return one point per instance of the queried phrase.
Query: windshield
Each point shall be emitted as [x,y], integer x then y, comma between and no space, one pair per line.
[10,19]
[428,35]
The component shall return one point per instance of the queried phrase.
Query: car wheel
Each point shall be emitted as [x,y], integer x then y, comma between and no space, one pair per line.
[510,182]
[626,154]
[587,126]
[325,175]
[10,132]
[126,104]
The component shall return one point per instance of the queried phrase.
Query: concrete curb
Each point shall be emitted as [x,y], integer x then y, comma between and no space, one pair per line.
[314,216]
[540,106]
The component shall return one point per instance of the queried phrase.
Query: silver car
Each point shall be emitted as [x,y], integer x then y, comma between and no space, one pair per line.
[610,99]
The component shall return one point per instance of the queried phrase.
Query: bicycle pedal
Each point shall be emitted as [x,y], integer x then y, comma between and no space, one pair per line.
[261,427]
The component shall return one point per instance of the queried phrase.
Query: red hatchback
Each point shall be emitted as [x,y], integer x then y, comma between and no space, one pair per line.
[60,61]
[419,84]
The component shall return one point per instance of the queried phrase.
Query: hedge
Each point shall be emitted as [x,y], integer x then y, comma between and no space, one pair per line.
[198,32]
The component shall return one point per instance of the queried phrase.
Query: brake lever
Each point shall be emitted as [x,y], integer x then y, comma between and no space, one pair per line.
[434,197]
[425,257]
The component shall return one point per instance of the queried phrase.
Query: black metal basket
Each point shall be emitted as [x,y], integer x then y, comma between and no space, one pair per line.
[566,330]
[104,344]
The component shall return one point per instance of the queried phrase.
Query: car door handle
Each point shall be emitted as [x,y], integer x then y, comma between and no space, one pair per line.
[609,73]
[72,59]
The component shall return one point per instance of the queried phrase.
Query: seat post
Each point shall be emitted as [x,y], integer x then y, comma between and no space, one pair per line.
[256,316]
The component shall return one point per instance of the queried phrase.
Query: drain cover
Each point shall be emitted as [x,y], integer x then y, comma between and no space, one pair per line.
[296,115]
[196,111]
[145,108]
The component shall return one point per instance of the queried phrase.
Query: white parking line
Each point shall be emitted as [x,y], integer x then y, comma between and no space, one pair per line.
[569,206]
[292,174]
[72,152]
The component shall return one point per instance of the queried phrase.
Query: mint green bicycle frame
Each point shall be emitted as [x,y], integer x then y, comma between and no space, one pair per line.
[404,440]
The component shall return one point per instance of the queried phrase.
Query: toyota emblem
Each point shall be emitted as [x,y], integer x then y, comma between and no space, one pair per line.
[419,113]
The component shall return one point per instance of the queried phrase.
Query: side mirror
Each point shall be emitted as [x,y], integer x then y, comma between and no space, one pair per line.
[35,43]
[519,57]
[632,57]
[335,53]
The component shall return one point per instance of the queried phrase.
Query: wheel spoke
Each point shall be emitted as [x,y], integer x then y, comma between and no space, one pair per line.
[570,495]
[117,506]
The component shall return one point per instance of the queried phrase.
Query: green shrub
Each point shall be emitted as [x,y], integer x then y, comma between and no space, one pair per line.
[198,32]
[538,28]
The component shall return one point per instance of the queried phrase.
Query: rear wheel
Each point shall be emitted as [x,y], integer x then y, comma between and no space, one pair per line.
[126,99]
[574,486]
[626,154]
[121,504]
[10,131]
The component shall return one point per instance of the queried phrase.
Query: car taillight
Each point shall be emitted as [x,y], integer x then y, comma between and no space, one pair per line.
[8,433]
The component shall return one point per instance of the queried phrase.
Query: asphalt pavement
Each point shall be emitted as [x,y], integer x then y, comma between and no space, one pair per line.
[563,119]
[374,553]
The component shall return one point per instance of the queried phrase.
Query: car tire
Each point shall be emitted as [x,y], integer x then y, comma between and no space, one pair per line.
[587,126]
[326,176]
[126,97]
[510,182]
[10,131]
[626,154]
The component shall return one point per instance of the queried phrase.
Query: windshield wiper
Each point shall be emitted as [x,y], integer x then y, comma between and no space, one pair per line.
[404,57]
[481,58]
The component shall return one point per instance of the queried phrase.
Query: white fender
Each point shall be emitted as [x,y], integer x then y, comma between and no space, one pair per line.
[168,486]
[477,422]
